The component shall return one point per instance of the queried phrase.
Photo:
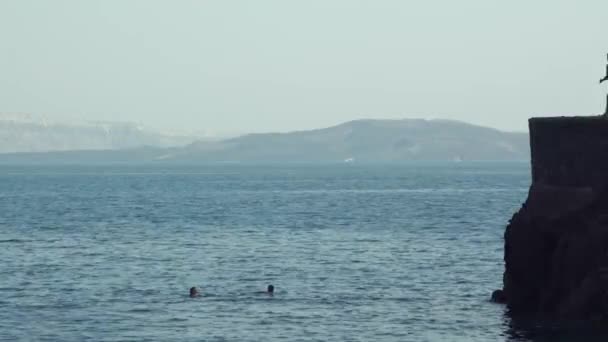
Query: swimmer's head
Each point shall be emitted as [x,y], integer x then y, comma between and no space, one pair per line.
[270,289]
[193,292]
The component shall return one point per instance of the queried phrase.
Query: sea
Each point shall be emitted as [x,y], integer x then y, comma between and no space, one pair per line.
[356,252]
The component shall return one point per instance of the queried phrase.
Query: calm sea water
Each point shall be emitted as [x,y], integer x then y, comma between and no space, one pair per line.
[356,253]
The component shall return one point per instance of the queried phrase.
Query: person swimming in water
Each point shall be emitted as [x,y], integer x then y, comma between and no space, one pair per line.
[270,289]
[194,292]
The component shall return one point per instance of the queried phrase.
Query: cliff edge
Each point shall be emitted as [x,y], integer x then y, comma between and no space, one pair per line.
[556,245]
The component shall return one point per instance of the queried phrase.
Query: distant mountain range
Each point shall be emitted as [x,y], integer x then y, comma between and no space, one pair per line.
[355,141]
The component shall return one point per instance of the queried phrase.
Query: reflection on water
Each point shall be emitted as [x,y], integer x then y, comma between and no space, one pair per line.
[531,329]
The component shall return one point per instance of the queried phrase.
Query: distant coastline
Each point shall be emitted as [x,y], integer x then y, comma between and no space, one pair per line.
[360,141]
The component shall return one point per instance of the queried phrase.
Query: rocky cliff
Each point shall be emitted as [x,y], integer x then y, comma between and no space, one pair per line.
[556,245]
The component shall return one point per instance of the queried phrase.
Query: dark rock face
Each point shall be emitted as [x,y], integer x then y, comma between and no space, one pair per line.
[556,245]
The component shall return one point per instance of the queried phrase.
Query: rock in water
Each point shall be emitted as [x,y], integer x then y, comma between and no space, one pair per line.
[556,245]
[498,296]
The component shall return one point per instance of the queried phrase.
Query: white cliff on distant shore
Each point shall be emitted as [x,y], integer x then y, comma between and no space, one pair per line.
[32,133]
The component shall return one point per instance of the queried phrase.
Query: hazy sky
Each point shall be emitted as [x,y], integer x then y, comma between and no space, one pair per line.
[241,66]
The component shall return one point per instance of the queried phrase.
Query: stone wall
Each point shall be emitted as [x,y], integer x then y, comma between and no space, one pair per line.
[569,151]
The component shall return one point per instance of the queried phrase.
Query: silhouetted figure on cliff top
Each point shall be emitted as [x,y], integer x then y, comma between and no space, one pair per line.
[602,80]
[605,77]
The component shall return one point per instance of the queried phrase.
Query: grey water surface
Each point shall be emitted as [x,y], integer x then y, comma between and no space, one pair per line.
[405,252]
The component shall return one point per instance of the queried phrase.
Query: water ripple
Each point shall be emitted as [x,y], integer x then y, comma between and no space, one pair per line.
[374,253]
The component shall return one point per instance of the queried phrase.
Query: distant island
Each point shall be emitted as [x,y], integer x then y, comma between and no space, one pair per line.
[350,142]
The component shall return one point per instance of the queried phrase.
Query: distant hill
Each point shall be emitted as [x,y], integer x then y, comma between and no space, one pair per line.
[361,140]
[369,141]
